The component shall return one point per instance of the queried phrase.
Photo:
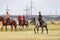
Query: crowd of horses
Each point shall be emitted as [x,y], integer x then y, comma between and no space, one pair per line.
[13,23]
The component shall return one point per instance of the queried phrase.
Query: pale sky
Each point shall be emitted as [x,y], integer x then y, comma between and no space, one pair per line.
[17,7]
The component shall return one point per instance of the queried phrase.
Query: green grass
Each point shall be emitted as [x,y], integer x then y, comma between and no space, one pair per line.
[28,33]
[31,27]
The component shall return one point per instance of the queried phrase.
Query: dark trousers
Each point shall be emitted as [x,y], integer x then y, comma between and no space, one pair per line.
[40,21]
[8,20]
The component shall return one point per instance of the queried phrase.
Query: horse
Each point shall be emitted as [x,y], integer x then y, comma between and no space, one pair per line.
[11,23]
[37,25]
[23,23]
[32,20]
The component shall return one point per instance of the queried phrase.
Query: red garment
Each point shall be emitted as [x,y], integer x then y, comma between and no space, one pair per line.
[19,17]
[23,17]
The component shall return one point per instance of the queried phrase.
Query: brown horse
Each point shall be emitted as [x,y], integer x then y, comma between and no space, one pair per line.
[11,23]
[23,23]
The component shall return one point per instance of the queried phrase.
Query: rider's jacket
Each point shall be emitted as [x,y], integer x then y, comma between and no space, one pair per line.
[40,17]
[23,17]
[19,17]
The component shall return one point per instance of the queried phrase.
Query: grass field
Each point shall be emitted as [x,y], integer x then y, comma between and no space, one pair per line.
[28,34]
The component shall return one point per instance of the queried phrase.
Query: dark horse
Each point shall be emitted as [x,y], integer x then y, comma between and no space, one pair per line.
[11,23]
[23,23]
[37,25]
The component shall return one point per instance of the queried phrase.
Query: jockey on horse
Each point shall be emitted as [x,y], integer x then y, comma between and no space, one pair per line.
[7,17]
[40,19]
[19,19]
[23,19]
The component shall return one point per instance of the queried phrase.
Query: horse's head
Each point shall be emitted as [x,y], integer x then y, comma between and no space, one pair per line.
[1,18]
[32,20]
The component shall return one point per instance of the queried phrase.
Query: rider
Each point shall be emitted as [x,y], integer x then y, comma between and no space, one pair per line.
[40,18]
[19,19]
[7,17]
[23,18]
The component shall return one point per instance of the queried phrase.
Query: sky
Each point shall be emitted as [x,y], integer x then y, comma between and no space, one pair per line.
[18,7]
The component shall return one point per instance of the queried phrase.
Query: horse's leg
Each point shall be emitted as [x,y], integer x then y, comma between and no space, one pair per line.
[22,26]
[37,29]
[11,28]
[46,29]
[27,25]
[2,27]
[6,27]
[42,30]
[19,24]
[15,27]
[30,22]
